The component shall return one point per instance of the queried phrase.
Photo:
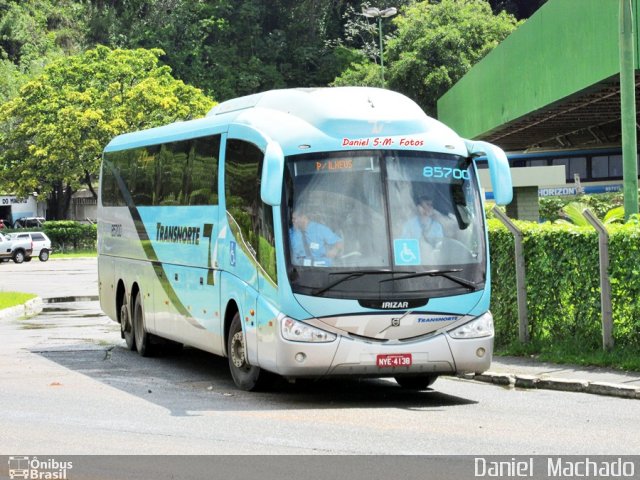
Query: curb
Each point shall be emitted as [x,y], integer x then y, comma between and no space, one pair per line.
[562,384]
[30,308]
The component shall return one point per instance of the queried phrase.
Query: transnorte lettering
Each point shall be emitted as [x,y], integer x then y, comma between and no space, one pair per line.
[178,234]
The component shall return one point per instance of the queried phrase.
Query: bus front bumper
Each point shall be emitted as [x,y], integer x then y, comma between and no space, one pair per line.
[349,356]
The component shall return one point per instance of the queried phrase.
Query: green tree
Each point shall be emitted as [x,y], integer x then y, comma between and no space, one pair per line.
[52,134]
[435,44]
[230,48]
[360,44]
[34,33]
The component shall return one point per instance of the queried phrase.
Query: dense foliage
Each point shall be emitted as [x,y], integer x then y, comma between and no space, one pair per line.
[551,207]
[434,46]
[563,286]
[53,133]
[63,95]
[226,48]
[67,235]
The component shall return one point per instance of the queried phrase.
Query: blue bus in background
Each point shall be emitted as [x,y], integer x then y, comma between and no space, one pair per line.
[590,170]
[284,231]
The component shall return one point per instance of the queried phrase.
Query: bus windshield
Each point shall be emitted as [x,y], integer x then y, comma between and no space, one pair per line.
[383,224]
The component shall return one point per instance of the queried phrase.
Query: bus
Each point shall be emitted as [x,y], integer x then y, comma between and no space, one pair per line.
[588,170]
[200,241]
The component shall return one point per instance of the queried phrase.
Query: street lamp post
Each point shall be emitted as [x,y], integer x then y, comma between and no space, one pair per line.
[373,12]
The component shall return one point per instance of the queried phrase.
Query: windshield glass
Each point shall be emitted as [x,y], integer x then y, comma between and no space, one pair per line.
[374,224]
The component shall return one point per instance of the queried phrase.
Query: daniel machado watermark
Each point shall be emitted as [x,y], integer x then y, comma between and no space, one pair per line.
[38,468]
[557,467]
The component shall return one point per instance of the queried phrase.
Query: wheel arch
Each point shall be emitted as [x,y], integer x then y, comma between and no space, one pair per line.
[121,294]
[135,290]
[230,311]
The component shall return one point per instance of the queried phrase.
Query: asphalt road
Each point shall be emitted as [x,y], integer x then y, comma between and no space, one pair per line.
[53,279]
[69,387]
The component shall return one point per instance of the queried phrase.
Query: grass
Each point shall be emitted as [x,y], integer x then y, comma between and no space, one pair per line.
[621,358]
[11,299]
[75,254]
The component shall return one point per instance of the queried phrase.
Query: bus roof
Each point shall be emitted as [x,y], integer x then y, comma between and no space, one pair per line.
[313,119]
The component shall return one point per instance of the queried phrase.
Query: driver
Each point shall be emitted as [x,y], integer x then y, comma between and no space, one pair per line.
[312,243]
[424,224]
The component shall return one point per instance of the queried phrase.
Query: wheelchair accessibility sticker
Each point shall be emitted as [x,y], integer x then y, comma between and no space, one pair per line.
[406,251]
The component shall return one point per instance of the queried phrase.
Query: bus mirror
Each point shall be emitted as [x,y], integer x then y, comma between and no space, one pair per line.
[498,169]
[272,174]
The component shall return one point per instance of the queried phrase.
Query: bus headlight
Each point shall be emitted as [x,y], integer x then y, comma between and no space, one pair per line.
[480,327]
[301,332]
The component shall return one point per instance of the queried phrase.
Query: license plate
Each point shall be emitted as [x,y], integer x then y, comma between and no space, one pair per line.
[394,360]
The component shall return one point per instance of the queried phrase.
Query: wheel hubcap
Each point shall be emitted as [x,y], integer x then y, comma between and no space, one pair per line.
[125,325]
[237,350]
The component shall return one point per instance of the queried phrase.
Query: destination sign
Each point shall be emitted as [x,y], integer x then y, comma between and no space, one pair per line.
[336,165]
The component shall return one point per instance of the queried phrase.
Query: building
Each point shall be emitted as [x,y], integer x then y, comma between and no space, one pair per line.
[13,208]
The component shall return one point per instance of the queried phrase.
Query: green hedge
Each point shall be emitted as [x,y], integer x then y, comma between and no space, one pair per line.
[67,235]
[563,286]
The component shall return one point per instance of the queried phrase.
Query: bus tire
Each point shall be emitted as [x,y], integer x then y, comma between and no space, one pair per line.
[142,337]
[245,376]
[416,382]
[126,327]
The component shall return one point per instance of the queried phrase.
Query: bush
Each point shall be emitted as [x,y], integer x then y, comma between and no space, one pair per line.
[600,204]
[563,285]
[68,235]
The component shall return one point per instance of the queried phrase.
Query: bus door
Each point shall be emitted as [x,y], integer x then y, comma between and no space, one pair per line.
[250,245]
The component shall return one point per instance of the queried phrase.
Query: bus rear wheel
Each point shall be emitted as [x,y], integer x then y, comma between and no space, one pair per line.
[142,338]
[246,376]
[126,328]
[416,382]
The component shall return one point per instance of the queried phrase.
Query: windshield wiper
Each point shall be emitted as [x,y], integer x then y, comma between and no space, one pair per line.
[437,273]
[349,275]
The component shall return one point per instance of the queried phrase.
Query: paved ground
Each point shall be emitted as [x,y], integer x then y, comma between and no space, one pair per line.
[76,280]
[53,279]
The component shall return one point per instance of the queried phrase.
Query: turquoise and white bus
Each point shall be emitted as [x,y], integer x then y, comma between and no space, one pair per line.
[197,243]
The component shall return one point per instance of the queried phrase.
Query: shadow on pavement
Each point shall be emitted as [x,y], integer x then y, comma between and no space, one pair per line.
[193,381]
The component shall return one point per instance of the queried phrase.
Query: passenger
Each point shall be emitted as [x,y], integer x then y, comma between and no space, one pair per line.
[312,243]
[423,225]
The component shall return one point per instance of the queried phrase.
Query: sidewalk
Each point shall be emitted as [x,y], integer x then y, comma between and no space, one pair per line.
[519,372]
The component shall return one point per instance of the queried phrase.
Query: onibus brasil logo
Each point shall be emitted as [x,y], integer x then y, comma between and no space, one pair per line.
[33,468]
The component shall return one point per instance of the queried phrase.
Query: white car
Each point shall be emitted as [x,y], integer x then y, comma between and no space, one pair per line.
[39,240]
[18,249]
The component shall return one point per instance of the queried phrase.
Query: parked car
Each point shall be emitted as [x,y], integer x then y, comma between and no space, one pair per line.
[28,222]
[18,249]
[41,244]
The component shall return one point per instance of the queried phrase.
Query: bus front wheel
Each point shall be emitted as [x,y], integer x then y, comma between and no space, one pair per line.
[417,382]
[246,376]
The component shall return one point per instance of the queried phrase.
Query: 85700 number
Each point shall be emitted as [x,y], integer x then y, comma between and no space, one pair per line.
[445,172]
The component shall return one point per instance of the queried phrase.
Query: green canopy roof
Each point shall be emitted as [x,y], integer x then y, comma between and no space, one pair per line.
[554,82]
